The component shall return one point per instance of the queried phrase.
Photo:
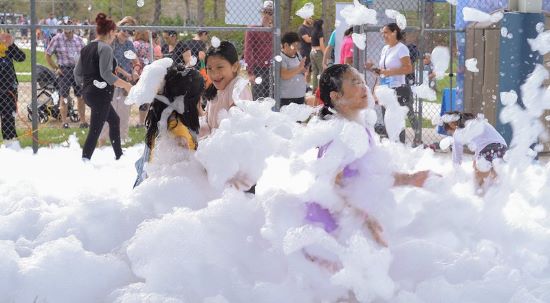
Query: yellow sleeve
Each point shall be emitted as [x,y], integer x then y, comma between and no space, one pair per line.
[179,130]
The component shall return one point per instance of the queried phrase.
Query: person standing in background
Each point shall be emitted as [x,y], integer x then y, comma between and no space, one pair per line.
[9,52]
[128,68]
[66,46]
[293,80]
[395,64]
[304,31]
[317,52]
[346,50]
[258,53]
[328,56]
[97,64]
[145,56]
[170,41]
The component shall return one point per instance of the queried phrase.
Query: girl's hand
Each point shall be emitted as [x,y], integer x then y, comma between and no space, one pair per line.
[419,178]
[127,87]
[376,230]
[385,72]
[240,182]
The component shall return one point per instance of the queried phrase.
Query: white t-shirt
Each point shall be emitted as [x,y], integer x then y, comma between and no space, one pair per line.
[477,134]
[390,58]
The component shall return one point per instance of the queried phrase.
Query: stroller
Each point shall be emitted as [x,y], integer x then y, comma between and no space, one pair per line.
[48,98]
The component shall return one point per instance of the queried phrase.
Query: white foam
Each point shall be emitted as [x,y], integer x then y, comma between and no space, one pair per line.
[360,40]
[440,60]
[471,65]
[399,18]
[215,41]
[541,43]
[358,14]
[306,11]
[150,81]
[475,15]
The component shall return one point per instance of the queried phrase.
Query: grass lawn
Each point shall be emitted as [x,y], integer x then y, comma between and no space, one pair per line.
[54,136]
[25,66]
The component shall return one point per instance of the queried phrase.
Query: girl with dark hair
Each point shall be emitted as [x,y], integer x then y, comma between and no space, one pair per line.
[182,93]
[173,114]
[477,132]
[95,71]
[345,95]
[317,51]
[222,67]
[395,63]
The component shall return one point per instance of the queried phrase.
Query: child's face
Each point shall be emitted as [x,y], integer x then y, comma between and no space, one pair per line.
[221,71]
[426,60]
[451,127]
[291,49]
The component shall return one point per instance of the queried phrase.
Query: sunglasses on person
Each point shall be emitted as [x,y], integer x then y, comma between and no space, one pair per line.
[128,32]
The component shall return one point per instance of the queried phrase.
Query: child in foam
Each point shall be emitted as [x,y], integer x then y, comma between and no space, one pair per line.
[345,96]
[174,113]
[481,137]
[222,67]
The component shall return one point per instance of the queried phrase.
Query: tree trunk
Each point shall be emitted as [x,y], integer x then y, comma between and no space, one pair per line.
[200,12]
[158,10]
[286,13]
[220,9]
[216,3]
[187,11]
[329,17]
[429,23]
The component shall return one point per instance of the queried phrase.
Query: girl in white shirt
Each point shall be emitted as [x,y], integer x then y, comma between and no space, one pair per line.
[480,136]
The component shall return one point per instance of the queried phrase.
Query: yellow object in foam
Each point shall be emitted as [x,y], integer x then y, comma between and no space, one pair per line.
[3,49]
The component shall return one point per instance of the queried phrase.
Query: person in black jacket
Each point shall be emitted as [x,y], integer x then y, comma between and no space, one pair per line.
[95,70]
[9,52]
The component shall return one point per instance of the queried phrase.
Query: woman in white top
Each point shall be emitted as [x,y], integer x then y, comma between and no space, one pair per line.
[395,64]
[480,136]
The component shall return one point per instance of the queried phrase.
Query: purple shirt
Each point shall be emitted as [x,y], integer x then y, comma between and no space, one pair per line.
[66,50]
[318,215]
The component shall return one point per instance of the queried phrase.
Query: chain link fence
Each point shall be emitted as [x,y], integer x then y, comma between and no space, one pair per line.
[41,103]
[428,25]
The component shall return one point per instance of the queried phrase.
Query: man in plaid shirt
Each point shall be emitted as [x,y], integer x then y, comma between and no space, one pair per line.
[66,46]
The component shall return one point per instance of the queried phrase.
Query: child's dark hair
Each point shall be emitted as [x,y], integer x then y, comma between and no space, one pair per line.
[289,38]
[227,51]
[179,81]
[348,31]
[331,81]
[462,118]
[393,27]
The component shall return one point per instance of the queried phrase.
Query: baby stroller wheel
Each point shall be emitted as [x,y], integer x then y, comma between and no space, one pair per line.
[43,117]
[74,116]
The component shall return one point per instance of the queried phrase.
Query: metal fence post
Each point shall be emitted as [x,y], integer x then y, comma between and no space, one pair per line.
[276,52]
[33,79]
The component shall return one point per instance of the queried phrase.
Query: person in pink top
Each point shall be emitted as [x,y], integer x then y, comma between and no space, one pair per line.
[222,66]
[346,51]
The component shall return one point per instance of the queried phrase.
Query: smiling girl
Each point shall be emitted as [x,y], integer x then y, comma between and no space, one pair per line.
[222,66]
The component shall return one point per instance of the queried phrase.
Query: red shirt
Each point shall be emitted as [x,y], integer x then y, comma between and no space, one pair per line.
[258,50]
